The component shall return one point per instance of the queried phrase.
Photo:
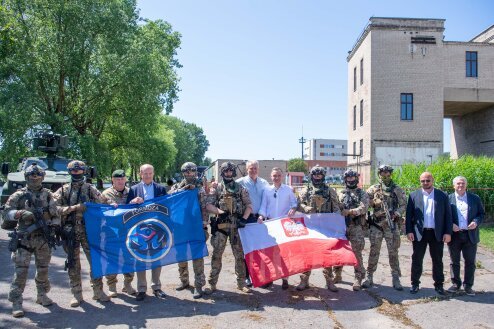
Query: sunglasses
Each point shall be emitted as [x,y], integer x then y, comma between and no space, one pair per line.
[425,180]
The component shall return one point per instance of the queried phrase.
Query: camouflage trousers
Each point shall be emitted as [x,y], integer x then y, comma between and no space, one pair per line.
[22,258]
[327,272]
[112,278]
[75,271]
[356,235]
[392,242]
[218,241]
[198,267]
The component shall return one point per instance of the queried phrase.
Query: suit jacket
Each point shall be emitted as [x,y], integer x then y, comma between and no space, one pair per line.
[138,190]
[475,213]
[414,222]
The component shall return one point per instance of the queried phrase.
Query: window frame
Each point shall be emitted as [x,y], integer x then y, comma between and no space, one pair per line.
[471,65]
[406,107]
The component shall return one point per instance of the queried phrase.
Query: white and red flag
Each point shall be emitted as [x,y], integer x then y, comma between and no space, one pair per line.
[286,246]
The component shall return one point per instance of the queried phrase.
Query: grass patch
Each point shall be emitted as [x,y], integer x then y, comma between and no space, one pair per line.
[487,237]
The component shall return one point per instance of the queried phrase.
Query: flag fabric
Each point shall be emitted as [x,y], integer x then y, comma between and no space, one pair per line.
[286,246]
[133,238]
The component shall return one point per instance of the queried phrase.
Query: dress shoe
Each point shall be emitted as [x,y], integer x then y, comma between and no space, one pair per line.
[454,288]
[248,283]
[140,296]
[469,291]
[284,284]
[440,290]
[159,293]
[414,289]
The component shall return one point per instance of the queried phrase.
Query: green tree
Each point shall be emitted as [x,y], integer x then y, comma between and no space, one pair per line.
[297,165]
[89,70]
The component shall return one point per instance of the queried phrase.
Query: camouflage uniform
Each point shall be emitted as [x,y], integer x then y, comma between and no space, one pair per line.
[114,196]
[34,243]
[66,197]
[357,201]
[394,197]
[318,199]
[238,198]
[197,264]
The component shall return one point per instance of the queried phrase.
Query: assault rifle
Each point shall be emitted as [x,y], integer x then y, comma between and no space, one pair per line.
[384,203]
[48,232]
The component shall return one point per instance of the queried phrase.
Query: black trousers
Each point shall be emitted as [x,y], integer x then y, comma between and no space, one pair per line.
[461,244]
[436,252]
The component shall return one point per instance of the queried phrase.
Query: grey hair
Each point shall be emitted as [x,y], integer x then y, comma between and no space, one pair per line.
[457,178]
[277,169]
[252,162]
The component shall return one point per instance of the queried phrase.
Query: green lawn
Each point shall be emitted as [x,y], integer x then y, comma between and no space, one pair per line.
[487,236]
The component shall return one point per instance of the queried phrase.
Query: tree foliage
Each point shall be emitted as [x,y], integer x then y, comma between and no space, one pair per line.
[95,71]
[297,165]
[477,170]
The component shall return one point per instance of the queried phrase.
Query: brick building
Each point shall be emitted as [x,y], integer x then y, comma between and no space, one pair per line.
[403,80]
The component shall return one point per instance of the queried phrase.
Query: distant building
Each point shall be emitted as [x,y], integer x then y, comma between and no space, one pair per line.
[403,80]
[265,167]
[328,153]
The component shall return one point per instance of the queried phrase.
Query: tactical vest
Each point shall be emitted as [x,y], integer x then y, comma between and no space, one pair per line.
[319,199]
[31,202]
[230,200]
[351,198]
[390,196]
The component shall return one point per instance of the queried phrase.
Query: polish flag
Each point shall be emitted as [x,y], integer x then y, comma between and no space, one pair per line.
[286,246]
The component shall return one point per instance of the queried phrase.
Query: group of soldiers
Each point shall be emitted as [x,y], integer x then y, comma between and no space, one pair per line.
[41,215]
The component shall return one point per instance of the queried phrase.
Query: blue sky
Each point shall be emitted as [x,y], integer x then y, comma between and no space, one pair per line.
[255,72]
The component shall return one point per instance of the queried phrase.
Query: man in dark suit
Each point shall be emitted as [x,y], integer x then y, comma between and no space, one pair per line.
[147,189]
[468,213]
[428,222]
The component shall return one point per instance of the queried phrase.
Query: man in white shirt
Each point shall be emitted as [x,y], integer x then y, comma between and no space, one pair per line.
[278,200]
[467,213]
[428,223]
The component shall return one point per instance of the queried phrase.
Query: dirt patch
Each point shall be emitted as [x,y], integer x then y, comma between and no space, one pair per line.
[392,310]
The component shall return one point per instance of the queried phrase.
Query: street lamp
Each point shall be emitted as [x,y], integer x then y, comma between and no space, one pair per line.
[302,141]
[354,155]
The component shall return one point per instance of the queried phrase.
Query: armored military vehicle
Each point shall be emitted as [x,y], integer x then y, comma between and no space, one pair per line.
[54,166]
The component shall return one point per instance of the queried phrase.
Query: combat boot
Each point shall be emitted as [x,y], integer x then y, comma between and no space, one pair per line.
[76,300]
[44,300]
[357,285]
[182,286]
[197,293]
[17,311]
[368,282]
[304,284]
[112,290]
[99,294]
[337,275]
[330,285]
[128,288]
[211,289]
[245,289]
[396,283]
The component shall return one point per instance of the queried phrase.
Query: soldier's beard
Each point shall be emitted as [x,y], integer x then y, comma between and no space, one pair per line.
[34,184]
[386,181]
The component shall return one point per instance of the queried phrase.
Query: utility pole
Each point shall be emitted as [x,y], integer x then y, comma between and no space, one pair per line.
[302,142]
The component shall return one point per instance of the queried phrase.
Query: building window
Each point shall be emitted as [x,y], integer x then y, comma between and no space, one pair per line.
[354,149]
[361,147]
[361,113]
[355,117]
[362,71]
[355,78]
[406,101]
[471,61]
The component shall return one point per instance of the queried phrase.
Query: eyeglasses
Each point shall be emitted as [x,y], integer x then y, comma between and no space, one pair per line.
[425,180]
[275,194]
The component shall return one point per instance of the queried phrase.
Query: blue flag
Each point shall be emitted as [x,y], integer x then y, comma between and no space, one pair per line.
[133,238]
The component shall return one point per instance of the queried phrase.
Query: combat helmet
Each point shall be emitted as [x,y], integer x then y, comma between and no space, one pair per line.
[317,170]
[189,171]
[226,166]
[351,173]
[383,168]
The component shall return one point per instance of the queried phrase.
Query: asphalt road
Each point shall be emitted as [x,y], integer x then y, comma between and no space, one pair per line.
[377,307]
